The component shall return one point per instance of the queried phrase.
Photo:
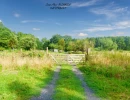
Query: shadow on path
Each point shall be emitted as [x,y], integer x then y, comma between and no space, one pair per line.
[46,93]
[28,85]
[20,89]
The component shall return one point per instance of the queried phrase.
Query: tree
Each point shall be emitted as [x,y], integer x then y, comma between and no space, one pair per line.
[67,39]
[53,46]
[86,45]
[79,45]
[55,38]
[61,44]
[28,42]
[107,44]
[121,43]
[20,35]
[39,44]
[127,43]
[6,36]
[71,46]
[13,42]
[45,43]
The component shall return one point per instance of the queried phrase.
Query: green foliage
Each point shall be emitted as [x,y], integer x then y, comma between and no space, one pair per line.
[121,43]
[71,46]
[79,45]
[13,42]
[67,38]
[53,46]
[1,25]
[22,84]
[55,38]
[9,39]
[61,44]
[32,54]
[106,44]
[39,44]
[6,38]
[127,42]
[2,49]
[106,81]
[28,42]
[108,74]
[45,43]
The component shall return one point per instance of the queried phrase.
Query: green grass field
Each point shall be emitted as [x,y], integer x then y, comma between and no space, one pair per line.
[68,87]
[108,74]
[23,84]
[23,75]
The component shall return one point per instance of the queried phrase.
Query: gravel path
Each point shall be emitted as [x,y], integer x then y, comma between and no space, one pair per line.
[46,93]
[88,92]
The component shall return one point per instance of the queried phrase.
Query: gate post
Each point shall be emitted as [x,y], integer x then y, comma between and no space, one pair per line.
[47,50]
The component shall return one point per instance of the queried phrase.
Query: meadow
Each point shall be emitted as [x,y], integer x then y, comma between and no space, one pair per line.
[23,74]
[107,73]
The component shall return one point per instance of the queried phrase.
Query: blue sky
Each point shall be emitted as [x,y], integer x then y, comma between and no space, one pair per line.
[83,18]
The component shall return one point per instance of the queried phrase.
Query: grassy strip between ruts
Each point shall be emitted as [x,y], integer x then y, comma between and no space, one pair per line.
[68,87]
[24,83]
[105,86]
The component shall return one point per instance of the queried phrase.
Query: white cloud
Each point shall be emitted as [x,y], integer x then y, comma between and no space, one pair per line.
[94,29]
[118,34]
[36,29]
[82,34]
[16,15]
[0,20]
[110,11]
[114,26]
[123,23]
[31,21]
[84,4]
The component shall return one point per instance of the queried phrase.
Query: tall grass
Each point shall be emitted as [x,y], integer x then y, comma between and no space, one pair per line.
[110,58]
[23,74]
[108,74]
[16,60]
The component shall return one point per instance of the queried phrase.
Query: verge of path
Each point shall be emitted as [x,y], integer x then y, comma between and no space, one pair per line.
[89,93]
[47,92]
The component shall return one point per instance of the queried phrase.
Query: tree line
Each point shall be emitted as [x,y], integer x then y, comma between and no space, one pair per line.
[13,40]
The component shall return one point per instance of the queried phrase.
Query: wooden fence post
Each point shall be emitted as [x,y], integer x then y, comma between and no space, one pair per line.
[86,54]
[47,50]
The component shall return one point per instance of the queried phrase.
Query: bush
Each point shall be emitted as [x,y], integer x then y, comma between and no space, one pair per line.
[2,49]
[32,54]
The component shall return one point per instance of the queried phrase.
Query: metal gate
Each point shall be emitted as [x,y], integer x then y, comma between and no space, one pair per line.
[68,58]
